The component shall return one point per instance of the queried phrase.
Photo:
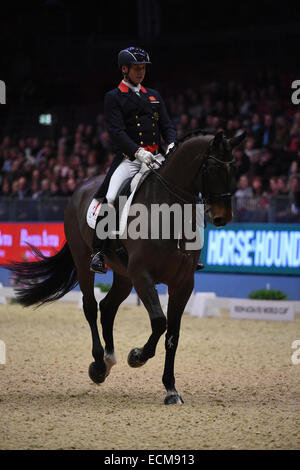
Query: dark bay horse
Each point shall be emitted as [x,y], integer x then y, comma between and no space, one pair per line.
[199,163]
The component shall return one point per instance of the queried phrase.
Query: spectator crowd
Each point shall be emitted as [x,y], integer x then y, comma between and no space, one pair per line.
[268,161]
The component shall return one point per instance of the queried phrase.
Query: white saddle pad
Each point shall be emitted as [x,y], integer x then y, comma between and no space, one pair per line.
[92,213]
[94,209]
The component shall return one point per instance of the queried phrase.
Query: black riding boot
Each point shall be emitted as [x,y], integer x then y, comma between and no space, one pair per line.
[97,261]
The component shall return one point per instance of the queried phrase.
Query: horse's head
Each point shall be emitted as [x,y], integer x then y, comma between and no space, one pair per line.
[217,178]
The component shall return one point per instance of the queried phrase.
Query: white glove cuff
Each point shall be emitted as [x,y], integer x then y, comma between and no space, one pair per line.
[170,146]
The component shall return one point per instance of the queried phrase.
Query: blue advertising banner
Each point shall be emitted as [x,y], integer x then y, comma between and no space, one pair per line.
[252,248]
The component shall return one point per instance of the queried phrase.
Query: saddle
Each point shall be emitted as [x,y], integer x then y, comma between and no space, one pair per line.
[128,188]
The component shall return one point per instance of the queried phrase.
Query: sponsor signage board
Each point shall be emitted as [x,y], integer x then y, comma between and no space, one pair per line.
[262,309]
[48,237]
[253,248]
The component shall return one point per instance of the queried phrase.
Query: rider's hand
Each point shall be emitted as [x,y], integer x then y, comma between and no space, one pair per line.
[144,156]
[170,146]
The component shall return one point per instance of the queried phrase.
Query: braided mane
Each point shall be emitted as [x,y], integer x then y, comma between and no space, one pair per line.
[189,135]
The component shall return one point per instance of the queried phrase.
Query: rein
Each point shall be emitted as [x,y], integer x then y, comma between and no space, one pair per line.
[185,196]
[179,194]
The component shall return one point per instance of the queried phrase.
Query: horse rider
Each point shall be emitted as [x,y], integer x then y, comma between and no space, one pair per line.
[136,119]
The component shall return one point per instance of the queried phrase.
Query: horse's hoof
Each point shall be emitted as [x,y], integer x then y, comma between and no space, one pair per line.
[95,374]
[173,399]
[110,361]
[134,358]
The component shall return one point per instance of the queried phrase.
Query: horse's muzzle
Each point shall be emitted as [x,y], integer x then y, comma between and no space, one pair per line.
[219,221]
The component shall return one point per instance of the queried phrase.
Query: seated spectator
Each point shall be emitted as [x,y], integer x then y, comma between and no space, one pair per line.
[105,140]
[194,124]
[4,206]
[75,162]
[64,139]
[282,131]
[15,189]
[287,207]
[64,167]
[281,201]
[63,188]
[261,199]
[81,175]
[242,195]
[23,190]
[54,191]
[282,185]
[229,129]
[265,165]
[208,126]
[92,159]
[242,161]
[244,188]
[91,172]
[35,175]
[46,152]
[293,142]
[45,188]
[294,191]
[35,190]
[294,168]
[5,188]
[268,131]
[273,186]
[71,185]
[249,148]
[257,187]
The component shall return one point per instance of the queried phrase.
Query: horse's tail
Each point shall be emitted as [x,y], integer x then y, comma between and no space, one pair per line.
[44,280]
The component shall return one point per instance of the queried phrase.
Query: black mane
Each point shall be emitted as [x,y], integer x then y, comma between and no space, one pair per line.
[189,135]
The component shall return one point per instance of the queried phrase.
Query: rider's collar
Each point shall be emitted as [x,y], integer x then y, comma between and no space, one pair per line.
[136,89]
[124,86]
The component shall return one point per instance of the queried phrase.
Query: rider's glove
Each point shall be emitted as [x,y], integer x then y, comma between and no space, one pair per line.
[144,156]
[170,146]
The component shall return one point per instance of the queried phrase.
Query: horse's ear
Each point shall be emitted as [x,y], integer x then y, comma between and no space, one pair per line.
[217,139]
[235,141]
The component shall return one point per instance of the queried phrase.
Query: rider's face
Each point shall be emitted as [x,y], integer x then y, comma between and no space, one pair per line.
[136,72]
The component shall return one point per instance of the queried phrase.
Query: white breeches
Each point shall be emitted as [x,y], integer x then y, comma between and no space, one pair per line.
[125,170]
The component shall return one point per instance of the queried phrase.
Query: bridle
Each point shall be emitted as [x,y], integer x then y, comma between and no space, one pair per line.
[206,196]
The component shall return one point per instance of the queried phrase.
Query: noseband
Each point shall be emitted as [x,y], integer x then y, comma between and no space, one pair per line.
[207,196]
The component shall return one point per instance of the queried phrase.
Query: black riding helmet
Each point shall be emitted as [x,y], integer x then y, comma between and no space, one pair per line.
[133,55]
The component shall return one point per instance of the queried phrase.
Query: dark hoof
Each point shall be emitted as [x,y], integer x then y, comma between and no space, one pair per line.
[173,399]
[95,374]
[134,358]
[200,266]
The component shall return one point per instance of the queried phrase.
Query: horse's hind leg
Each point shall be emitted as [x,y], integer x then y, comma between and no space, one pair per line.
[178,298]
[120,289]
[81,257]
[147,292]
[97,369]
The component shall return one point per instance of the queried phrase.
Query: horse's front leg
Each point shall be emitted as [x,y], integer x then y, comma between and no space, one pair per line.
[177,301]
[147,292]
